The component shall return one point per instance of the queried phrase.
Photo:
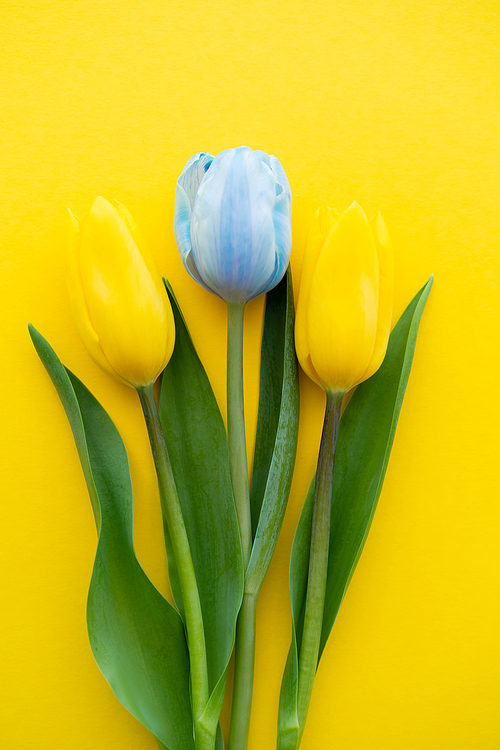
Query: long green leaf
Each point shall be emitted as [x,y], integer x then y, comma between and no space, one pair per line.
[368,429]
[289,728]
[277,430]
[197,445]
[366,434]
[136,636]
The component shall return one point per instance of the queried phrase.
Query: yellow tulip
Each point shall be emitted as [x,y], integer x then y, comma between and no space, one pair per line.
[344,309]
[119,303]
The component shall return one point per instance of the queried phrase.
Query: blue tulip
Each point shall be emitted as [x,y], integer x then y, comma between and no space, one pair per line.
[232,222]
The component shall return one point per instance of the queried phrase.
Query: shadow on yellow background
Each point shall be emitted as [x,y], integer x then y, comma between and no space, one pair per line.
[394,104]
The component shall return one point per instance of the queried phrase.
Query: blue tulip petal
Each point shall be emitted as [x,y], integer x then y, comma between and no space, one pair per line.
[232,230]
[193,173]
[182,222]
[262,156]
[232,222]
[282,227]
[281,175]
[282,223]
[185,194]
[275,165]
[283,234]
[190,267]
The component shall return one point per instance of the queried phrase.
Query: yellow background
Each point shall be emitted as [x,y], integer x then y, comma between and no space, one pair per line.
[393,103]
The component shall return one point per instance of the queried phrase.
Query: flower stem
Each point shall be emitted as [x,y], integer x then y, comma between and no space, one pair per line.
[187,579]
[245,628]
[236,425]
[243,674]
[318,558]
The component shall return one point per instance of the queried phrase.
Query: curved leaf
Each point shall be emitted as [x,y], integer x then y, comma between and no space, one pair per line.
[365,438]
[136,636]
[368,429]
[197,446]
[277,430]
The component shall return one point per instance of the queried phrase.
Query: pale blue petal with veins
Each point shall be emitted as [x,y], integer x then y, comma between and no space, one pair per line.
[232,222]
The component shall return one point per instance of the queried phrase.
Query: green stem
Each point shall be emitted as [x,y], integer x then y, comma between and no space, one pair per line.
[318,559]
[236,425]
[187,579]
[245,628]
[243,674]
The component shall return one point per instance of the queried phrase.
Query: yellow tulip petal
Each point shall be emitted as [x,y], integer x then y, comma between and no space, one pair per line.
[141,244]
[327,218]
[77,297]
[343,303]
[321,225]
[386,266]
[158,281]
[127,305]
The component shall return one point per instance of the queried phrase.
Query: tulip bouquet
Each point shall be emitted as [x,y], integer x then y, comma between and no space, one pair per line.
[167,662]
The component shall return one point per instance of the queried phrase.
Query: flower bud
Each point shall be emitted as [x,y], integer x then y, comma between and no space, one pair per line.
[345,301]
[119,303]
[233,222]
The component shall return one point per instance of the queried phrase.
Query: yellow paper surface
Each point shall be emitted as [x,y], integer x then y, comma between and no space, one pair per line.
[394,104]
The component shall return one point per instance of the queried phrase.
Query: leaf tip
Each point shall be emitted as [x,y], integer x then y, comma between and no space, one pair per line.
[168,285]
[35,335]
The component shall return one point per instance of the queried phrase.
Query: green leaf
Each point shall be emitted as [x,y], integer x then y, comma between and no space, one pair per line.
[197,446]
[289,727]
[277,430]
[136,636]
[366,434]
[288,720]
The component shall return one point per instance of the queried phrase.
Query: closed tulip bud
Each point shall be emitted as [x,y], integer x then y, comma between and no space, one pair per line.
[232,222]
[119,303]
[345,301]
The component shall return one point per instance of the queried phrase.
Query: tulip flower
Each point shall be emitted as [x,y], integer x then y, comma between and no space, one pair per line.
[119,302]
[345,302]
[232,222]
[126,322]
[342,329]
[233,230]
